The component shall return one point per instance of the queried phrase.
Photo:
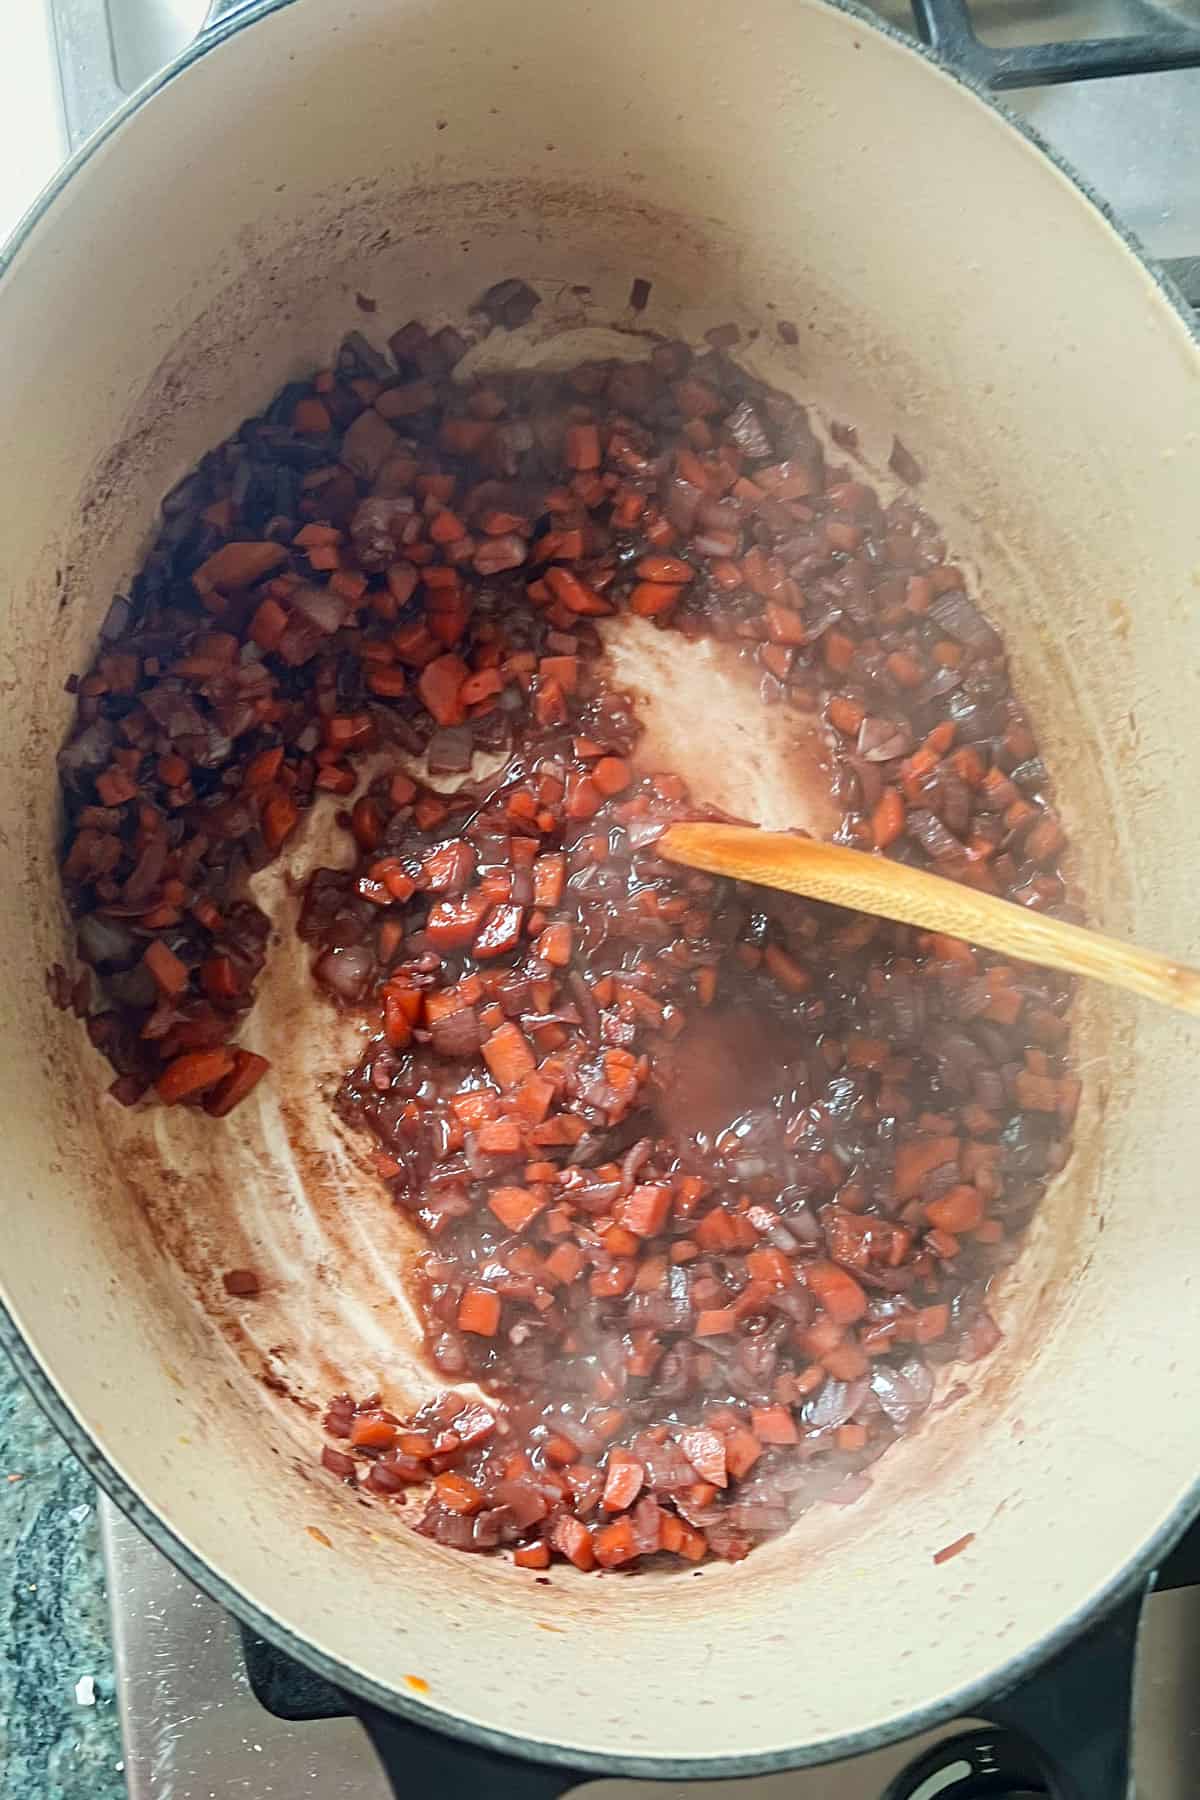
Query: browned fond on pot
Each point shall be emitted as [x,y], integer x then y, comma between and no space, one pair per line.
[963,293]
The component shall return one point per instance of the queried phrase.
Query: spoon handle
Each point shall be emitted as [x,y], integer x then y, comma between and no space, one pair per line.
[873,884]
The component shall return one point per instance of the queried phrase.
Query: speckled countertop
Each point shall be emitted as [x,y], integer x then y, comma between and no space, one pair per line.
[53,1618]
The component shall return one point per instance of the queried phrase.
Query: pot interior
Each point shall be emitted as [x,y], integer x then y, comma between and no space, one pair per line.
[944,280]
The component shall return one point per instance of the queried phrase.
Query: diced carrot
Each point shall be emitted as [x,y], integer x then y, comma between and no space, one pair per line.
[549,702]
[955,1549]
[716,1230]
[1036,1093]
[611,774]
[533,1098]
[836,1291]
[787,971]
[499,1137]
[532,1556]
[918,1158]
[652,1272]
[1070,1092]
[554,945]
[237,566]
[705,1450]
[574,594]
[280,816]
[172,770]
[457,1492]
[612,1283]
[846,715]
[498,523]
[773,1425]
[478,1107]
[387,684]
[888,818]
[508,1055]
[846,1362]
[369,1432]
[784,625]
[670,1532]
[572,1539]
[446,527]
[170,974]
[452,924]
[402,579]
[417,1444]
[960,1210]
[347,731]
[336,779]
[516,1207]
[566,1263]
[115,787]
[581,448]
[615,1544]
[394,876]
[623,1481]
[822,1336]
[687,1542]
[219,978]
[646,1209]
[549,878]
[715,1321]
[564,1128]
[440,685]
[583,796]
[262,769]
[777,659]
[838,651]
[268,625]
[311,415]
[905,670]
[479,1311]
[650,599]
[398,1015]
[771,1267]
[193,1073]
[310,535]
[247,1072]
[742,1451]
[500,932]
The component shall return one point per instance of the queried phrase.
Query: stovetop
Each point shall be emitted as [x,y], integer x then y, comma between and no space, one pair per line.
[1108,84]
[194,1730]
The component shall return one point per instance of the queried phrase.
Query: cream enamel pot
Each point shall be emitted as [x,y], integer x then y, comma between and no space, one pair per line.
[787,161]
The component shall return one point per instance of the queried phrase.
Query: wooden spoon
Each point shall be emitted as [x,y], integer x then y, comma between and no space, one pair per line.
[874,884]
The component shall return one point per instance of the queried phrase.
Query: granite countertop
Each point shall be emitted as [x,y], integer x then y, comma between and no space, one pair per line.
[54,1632]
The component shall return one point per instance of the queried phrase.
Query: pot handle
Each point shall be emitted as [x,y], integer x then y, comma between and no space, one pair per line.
[87,63]
[1077,1710]
[419,1761]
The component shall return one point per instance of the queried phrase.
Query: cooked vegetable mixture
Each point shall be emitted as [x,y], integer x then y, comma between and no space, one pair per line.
[712,1179]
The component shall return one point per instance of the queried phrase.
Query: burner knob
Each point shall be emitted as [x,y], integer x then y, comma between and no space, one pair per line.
[977,1765]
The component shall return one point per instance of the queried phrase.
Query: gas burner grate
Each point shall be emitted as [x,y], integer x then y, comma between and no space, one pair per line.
[1162,43]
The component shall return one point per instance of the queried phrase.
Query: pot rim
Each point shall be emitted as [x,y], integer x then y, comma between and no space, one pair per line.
[1138,1570]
